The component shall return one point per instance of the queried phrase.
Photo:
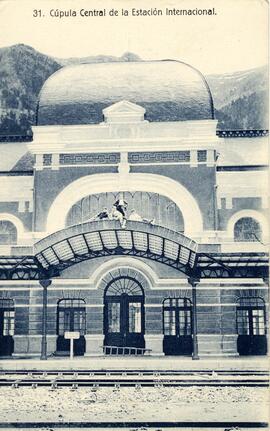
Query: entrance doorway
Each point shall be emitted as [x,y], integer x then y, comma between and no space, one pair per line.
[71,316]
[7,317]
[177,326]
[251,326]
[124,313]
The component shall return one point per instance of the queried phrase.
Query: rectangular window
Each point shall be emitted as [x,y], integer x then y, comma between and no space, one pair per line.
[243,322]
[184,322]
[169,322]
[135,317]
[61,325]
[250,321]
[8,322]
[177,317]
[71,320]
[258,322]
[79,321]
[114,317]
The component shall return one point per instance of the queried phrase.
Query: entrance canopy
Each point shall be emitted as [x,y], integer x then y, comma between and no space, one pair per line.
[106,238]
[95,239]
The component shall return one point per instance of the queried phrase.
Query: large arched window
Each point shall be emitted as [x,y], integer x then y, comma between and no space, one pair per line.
[8,233]
[150,206]
[247,229]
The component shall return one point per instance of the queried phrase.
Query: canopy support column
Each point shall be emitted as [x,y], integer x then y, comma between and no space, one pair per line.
[45,284]
[193,282]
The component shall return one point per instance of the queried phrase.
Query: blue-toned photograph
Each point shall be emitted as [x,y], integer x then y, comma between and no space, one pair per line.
[134,231]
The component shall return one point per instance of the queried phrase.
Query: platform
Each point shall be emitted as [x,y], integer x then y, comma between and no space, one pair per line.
[170,363]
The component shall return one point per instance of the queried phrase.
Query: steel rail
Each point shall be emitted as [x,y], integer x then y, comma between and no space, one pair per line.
[124,372]
[137,382]
[139,425]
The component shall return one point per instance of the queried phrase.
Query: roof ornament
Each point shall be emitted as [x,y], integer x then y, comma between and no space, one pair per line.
[124,112]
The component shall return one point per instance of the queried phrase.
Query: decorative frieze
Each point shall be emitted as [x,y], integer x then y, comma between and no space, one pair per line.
[241,133]
[159,157]
[85,158]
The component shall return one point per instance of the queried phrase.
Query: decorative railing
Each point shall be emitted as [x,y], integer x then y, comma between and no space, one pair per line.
[242,133]
[16,138]
[116,350]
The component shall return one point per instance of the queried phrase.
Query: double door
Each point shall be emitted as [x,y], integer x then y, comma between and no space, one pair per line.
[124,321]
[6,330]
[251,331]
[177,327]
[70,320]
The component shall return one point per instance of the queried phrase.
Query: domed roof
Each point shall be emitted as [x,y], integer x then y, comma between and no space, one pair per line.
[168,90]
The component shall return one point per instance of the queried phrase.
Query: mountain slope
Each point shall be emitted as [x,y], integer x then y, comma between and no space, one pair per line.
[230,86]
[22,74]
[127,56]
[241,99]
[247,112]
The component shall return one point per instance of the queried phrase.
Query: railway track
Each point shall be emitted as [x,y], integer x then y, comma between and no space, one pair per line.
[76,379]
[137,426]
[132,378]
[126,372]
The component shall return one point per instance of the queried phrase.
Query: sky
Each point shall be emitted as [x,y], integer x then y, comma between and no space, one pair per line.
[233,39]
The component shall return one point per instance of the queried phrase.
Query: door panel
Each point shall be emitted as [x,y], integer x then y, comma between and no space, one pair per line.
[135,317]
[71,319]
[124,321]
[113,330]
[252,345]
[177,345]
[63,346]
[114,321]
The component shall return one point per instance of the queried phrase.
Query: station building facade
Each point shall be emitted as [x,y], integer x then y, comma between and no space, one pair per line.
[143,132]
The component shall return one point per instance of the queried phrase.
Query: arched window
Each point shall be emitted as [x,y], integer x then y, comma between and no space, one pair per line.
[247,229]
[251,316]
[71,316]
[148,205]
[8,233]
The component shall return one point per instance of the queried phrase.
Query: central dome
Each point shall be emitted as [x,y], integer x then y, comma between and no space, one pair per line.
[168,90]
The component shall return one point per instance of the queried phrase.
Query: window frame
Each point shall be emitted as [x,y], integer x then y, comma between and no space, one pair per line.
[70,304]
[176,305]
[8,310]
[10,232]
[258,304]
[247,235]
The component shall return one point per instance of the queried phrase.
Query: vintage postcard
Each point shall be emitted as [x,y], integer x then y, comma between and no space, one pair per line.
[134,229]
